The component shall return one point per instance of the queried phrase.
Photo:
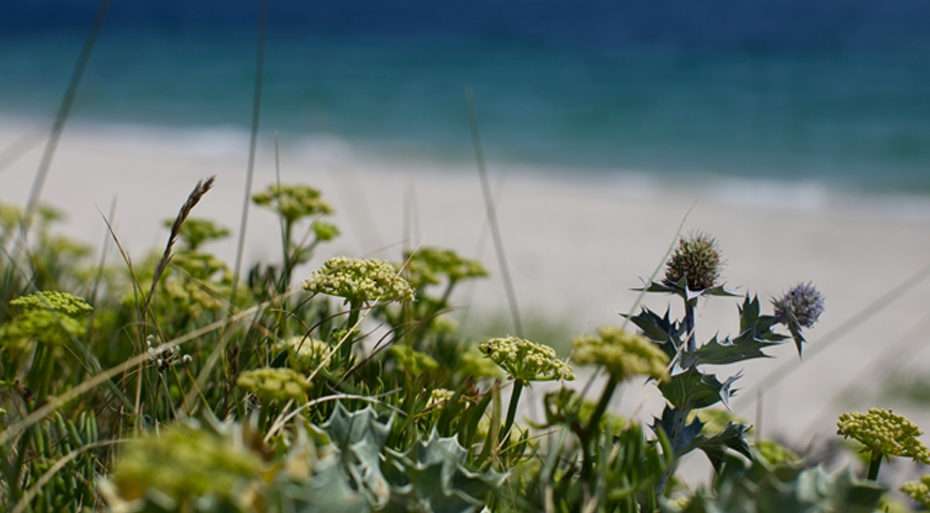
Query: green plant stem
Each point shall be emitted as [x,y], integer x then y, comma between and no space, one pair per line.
[591,429]
[346,350]
[875,465]
[512,410]
[689,324]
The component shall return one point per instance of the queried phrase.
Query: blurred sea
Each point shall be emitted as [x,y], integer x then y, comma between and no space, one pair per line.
[833,93]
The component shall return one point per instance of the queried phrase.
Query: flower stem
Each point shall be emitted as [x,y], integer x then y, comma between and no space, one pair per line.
[591,430]
[512,410]
[875,465]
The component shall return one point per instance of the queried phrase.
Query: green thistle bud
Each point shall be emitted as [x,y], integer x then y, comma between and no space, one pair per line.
[622,354]
[526,361]
[884,432]
[293,201]
[274,384]
[697,261]
[359,281]
[918,490]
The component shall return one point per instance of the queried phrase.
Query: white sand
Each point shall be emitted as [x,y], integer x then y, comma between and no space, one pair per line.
[575,246]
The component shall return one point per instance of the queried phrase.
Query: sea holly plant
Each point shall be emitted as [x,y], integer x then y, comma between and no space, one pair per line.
[693,273]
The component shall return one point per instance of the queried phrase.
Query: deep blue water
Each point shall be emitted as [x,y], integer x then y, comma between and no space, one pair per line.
[836,91]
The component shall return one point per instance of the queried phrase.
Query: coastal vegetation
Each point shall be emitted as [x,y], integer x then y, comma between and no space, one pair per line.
[173,384]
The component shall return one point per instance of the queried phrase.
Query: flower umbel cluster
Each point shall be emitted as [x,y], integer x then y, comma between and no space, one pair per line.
[51,317]
[918,490]
[438,397]
[622,354]
[304,353]
[427,266]
[53,301]
[359,281]
[183,463]
[697,260]
[274,384]
[526,361]
[884,432]
[802,303]
[293,201]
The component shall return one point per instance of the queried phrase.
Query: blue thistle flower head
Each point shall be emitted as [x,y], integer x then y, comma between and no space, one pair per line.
[803,303]
[800,307]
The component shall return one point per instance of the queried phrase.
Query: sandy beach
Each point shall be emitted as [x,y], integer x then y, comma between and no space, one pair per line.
[576,244]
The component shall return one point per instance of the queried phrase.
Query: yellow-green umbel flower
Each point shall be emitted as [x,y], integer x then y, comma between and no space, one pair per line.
[526,361]
[183,463]
[293,201]
[359,281]
[51,317]
[412,360]
[274,384]
[884,434]
[621,353]
[918,490]
[438,397]
[426,266]
[305,353]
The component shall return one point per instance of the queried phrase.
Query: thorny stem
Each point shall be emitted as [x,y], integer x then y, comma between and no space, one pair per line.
[689,324]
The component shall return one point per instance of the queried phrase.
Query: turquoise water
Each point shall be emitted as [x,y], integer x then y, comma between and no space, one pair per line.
[850,112]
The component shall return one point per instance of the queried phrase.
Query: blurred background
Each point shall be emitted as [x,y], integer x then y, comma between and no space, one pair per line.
[765,109]
[828,93]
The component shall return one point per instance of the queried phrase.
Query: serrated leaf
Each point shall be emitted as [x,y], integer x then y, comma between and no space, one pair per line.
[439,480]
[692,389]
[661,330]
[733,437]
[359,436]
[680,434]
[681,289]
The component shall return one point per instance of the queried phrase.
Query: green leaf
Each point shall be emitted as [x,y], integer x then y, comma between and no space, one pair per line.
[733,437]
[359,436]
[661,330]
[692,389]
